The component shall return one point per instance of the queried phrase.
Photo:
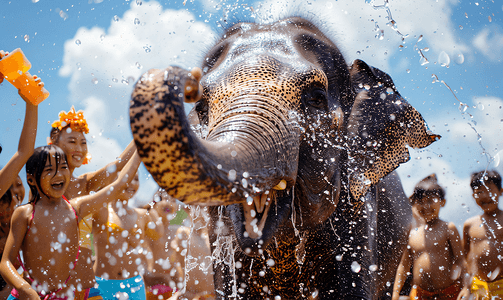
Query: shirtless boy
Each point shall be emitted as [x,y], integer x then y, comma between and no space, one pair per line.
[434,249]
[483,237]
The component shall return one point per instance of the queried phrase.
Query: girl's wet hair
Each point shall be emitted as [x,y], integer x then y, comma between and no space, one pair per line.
[36,164]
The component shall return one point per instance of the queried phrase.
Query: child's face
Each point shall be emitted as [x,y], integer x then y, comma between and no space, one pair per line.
[54,181]
[74,144]
[428,207]
[487,196]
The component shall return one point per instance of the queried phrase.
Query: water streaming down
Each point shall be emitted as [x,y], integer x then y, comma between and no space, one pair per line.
[223,252]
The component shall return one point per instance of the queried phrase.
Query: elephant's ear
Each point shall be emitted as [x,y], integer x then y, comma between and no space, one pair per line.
[380,127]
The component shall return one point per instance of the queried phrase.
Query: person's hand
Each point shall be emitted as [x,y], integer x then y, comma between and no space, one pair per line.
[39,82]
[2,54]
[464,294]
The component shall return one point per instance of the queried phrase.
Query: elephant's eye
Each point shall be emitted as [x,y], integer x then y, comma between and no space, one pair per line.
[317,98]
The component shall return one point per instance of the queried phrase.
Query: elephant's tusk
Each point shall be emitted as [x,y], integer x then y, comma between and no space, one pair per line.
[281,185]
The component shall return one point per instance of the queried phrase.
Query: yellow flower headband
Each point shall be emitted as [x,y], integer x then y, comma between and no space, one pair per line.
[76,121]
[73,119]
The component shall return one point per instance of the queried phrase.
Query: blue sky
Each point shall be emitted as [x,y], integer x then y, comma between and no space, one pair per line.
[90,53]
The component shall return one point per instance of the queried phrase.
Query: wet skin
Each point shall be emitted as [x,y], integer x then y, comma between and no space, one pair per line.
[483,235]
[50,247]
[74,144]
[293,141]
[435,247]
[122,254]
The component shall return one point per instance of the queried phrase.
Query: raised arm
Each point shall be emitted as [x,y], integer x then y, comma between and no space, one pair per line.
[92,203]
[24,150]
[401,273]
[18,229]
[106,175]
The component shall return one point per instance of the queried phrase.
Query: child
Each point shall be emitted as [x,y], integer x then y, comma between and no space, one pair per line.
[122,250]
[159,279]
[46,229]
[68,134]
[483,238]
[433,250]
[9,184]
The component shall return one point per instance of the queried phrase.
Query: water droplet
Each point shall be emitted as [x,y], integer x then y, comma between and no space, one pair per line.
[459,58]
[373,268]
[139,2]
[480,106]
[441,268]
[380,35]
[462,107]
[130,80]
[137,64]
[249,200]
[408,70]
[136,21]
[423,61]
[27,38]
[61,237]
[232,175]
[355,267]
[147,49]
[116,18]
[444,59]
[102,37]
[78,42]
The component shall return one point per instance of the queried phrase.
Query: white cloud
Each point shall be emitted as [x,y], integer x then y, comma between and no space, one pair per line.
[461,142]
[363,31]
[103,65]
[489,42]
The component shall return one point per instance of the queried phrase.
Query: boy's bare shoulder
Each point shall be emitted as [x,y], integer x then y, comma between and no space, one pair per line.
[475,220]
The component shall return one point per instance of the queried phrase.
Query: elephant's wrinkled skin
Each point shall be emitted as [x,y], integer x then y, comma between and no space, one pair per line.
[285,123]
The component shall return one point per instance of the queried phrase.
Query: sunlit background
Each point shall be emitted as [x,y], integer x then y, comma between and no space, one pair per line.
[445,57]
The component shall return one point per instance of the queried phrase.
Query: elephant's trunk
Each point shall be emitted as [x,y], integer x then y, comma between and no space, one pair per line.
[244,155]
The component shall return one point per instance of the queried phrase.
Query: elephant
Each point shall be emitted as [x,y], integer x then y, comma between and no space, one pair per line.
[294,152]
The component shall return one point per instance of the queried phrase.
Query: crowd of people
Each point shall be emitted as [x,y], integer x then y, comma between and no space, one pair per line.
[80,237]
[442,265]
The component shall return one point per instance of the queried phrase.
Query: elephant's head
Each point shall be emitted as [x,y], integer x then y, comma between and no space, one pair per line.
[281,122]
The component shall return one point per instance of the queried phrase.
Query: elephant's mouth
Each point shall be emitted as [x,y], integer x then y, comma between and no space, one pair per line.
[256,222]
[255,213]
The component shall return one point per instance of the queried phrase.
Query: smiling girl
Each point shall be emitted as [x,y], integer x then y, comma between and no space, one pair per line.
[68,133]
[46,229]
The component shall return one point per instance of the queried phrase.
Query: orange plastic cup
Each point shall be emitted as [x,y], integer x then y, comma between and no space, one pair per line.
[15,68]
